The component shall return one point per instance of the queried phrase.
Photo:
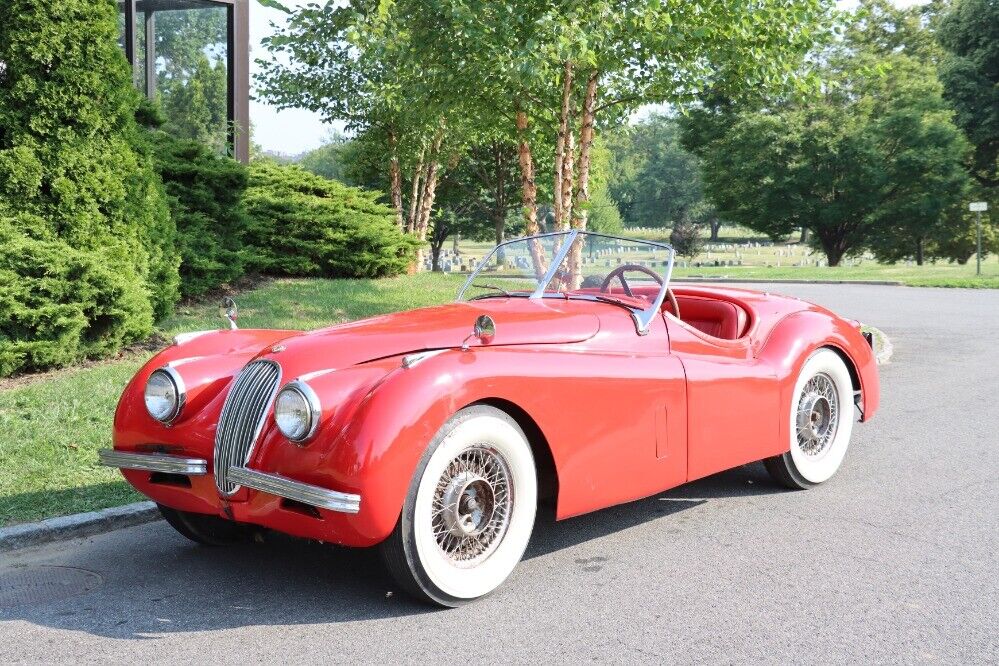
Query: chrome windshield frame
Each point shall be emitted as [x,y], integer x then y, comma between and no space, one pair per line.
[643,318]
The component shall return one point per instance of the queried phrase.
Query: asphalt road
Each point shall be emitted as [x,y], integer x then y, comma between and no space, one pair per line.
[894,560]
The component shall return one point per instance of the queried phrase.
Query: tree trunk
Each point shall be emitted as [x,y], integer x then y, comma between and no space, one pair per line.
[833,255]
[529,192]
[395,178]
[580,211]
[429,187]
[436,244]
[804,236]
[919,252]
[499,191]
[564,135]
[415,195]
[568,173]
[715,226]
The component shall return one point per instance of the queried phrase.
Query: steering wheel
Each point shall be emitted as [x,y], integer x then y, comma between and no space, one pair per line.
[619,274]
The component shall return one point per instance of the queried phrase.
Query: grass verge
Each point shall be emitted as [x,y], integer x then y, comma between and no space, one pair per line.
[942,275]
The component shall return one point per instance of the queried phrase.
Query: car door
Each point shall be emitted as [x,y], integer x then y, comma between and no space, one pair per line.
[613,411]
[733,401]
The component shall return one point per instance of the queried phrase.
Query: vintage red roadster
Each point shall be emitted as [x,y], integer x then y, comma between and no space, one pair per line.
[569,369]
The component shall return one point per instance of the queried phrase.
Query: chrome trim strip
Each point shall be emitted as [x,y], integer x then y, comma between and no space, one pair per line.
[153,462]
[555,263]
[250,391]
[305,493]
[644,320]
[412,360]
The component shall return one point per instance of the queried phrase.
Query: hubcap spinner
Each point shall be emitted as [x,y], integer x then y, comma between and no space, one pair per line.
[817,415]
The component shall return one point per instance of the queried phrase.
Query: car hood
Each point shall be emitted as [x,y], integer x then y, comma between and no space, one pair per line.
[519,321]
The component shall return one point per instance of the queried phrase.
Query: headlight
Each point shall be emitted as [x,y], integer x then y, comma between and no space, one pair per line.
[164,394]
[297,411]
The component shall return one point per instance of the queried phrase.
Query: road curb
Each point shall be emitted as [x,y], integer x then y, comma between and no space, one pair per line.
[77,525]
[885,349]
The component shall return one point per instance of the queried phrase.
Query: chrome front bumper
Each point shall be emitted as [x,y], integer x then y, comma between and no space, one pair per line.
[305,493]
[272,484]
[153,462]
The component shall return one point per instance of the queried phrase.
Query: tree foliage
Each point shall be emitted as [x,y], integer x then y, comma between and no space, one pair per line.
[653,178]
[969,31]
[441,79]
[874,161]
[88,258]
[331,160]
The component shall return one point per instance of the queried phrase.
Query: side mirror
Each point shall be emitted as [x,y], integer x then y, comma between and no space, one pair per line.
[484,329]
[229,312]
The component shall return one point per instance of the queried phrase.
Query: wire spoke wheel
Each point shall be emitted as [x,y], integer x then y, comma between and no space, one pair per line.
[472,503]
[469,512]
[818,415]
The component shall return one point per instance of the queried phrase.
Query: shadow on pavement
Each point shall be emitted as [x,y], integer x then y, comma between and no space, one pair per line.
[156,582]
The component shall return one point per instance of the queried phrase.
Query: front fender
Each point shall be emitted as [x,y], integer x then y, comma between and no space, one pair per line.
[388,430]
[797,336]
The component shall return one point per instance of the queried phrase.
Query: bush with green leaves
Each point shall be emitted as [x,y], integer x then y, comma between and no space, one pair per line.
[59,304]
[206,192]
[78,197]
[303,225]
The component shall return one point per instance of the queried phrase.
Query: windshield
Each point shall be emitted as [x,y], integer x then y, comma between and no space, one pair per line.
[576,265]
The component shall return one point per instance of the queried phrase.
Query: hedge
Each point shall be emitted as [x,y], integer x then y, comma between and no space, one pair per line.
[206,192]
[85,220]
[305,225]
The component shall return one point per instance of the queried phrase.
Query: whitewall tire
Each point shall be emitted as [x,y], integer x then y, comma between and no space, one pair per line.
[469,512]
[821,423]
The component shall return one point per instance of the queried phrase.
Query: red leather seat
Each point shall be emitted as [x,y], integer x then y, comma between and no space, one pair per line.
[720,319]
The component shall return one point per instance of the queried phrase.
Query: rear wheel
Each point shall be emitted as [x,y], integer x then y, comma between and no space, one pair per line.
[821,423]
[204,529]
[469,511]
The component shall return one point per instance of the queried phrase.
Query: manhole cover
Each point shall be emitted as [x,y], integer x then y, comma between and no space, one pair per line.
[40,584]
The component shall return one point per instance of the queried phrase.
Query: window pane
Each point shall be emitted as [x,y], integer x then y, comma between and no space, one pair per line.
[191,73]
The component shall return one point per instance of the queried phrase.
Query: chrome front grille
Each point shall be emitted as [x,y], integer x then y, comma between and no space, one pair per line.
[242,419]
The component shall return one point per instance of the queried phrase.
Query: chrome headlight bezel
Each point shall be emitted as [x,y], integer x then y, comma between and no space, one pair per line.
[180,394]
[313,409]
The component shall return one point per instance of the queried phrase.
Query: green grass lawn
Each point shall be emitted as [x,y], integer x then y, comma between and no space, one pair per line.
[52,424]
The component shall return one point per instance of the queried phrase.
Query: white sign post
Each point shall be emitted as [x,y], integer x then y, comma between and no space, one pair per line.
[977,207]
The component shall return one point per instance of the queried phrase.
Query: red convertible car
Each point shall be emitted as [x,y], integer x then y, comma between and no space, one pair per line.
[569,369]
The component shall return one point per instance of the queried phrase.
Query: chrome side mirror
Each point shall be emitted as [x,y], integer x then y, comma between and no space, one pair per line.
[484,329]
[229,312]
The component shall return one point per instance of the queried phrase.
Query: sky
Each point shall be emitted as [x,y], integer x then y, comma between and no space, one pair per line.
[291,131]
[295,131]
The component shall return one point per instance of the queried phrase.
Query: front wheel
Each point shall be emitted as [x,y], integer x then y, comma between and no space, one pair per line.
[469,511]
[821,423]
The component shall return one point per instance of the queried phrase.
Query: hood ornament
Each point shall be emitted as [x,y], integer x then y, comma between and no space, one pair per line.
[484,330]
[229,312]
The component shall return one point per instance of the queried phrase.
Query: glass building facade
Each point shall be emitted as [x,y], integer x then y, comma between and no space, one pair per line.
[192,56]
